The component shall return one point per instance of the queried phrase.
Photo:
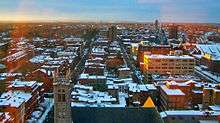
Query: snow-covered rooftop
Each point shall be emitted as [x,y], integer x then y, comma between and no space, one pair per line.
[159,56]
[87,76]
[84,96]
[187,113]
[175,77]
[212,49]
[18,83]
[14,99]
[40,59]
[172,91]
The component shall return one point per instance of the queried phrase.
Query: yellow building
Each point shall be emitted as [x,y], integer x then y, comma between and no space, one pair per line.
[168,64]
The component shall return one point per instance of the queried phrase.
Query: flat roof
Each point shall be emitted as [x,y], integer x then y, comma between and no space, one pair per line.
[172,91]
[187,113]
[159,56]
[19,83]
[87,76]
[14,99]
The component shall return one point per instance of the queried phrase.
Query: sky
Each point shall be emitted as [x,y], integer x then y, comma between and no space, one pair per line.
[207,11]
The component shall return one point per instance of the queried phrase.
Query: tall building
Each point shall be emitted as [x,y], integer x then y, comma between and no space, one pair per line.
[151,49]
[112,33]
[173,32]
[62,98]
[156,24]
[163,37]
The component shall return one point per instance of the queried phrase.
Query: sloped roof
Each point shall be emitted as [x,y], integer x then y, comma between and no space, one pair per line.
[212,49]
[149,103]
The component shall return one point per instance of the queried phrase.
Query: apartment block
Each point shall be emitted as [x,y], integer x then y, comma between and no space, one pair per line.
[168,64]
[172,98]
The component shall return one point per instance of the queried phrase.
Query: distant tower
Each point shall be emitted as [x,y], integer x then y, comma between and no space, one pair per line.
[112,33]
[157,26]
[62,99]
[163,37]
[173,32]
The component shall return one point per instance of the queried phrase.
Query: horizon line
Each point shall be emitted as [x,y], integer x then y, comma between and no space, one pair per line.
[84,21]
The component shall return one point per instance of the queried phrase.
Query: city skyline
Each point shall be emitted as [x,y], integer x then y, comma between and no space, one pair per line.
[108,61]
[201,11]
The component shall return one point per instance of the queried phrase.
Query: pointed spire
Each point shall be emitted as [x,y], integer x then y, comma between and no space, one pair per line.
[149,103]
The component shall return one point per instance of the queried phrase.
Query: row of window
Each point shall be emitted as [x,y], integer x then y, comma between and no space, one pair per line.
[177,64]
[61,98]
[181,118]
[174,60]
[170,68]
[166,71]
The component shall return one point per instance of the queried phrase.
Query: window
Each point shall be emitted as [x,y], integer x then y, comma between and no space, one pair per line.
[181,118]
[59,97]
[158,60]
[173,118]
[63,98]
[191,60]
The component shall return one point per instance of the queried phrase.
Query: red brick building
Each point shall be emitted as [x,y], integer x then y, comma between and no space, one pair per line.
[5,117]
[41,75]
[30,89]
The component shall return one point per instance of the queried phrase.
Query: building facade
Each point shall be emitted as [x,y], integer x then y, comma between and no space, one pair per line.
[172,98]
[62,104]
[168,64]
